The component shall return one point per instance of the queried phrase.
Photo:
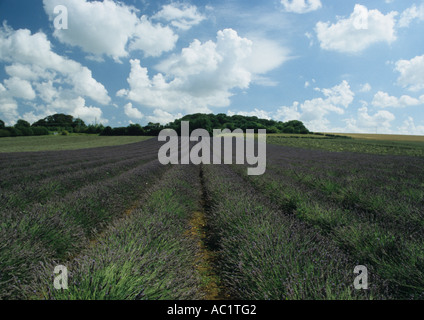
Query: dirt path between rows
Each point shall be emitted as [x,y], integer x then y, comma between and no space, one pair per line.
[206,258]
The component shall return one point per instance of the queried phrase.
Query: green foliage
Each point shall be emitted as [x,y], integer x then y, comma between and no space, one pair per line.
[60,122]
[79,125]
[4,133]
[2,125]
[26,131]
[94,129]
[210,122]
[40,131]
[22,124]
[152,129]
[222,121]
[135,130]
[14,132]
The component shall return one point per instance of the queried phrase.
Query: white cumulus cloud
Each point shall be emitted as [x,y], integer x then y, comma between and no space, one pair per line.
[410,15]
[384,100]
[19,88]
[132,112]
[163,117]
[107,27]
[410,128]
[366,87]
[381,121]
[37,72]
[202,75]
[181,15]
[301,6]
[314,112]
[21,48]
[411,73]
[152,39]
[261,114]
[354,34]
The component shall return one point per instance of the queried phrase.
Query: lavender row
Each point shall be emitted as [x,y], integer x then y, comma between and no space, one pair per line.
[144,256]
[61,162]
[60,228]
[22,195]
[371,206]
[266,254]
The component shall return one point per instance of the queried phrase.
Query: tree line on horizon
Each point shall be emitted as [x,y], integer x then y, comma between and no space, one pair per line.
[210,122]
[65,124]
[59,123]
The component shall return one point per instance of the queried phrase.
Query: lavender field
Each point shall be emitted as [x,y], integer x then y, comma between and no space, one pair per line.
[127,227]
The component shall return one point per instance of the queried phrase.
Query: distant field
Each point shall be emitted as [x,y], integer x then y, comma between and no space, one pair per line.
[390,137]
[362,143]
[72,142]
[373,144]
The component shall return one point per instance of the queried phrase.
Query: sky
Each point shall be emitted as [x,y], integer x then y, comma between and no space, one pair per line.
[337,66]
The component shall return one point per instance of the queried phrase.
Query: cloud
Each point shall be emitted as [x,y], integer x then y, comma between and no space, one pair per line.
[152,39]
[364,122]
[261,114]
[28,72]
[181,15]
[383,100]
[203,74]
[46,91]
[301,6]
[105,28]
[411,73]
[19,88]
[163,117]
[131,112]
[410,15]
[77,108]
[8,107]
[37,72]
[313,112]
[408,127]
[358,32]
[89,114]
[366,87]
[288,113]
[32,56]
[339,95]
[265,56]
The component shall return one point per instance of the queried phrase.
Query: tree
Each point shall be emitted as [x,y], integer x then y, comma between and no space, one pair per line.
[289,129]
[59,120]
[79,125]
[22,124]
[40,131]
[4,133]
[2,124]
[108,131]
[135,130]
[153,129]
[26,131]
[272,130]
[40,123]
[14,132]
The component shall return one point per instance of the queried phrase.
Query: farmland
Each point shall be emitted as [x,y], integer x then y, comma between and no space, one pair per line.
[371,145]
[128,227]
[60,142]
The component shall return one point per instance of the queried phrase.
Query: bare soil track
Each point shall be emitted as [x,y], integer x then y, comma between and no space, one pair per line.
[205,262]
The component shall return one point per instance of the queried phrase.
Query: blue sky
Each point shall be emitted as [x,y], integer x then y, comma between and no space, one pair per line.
[338,66]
